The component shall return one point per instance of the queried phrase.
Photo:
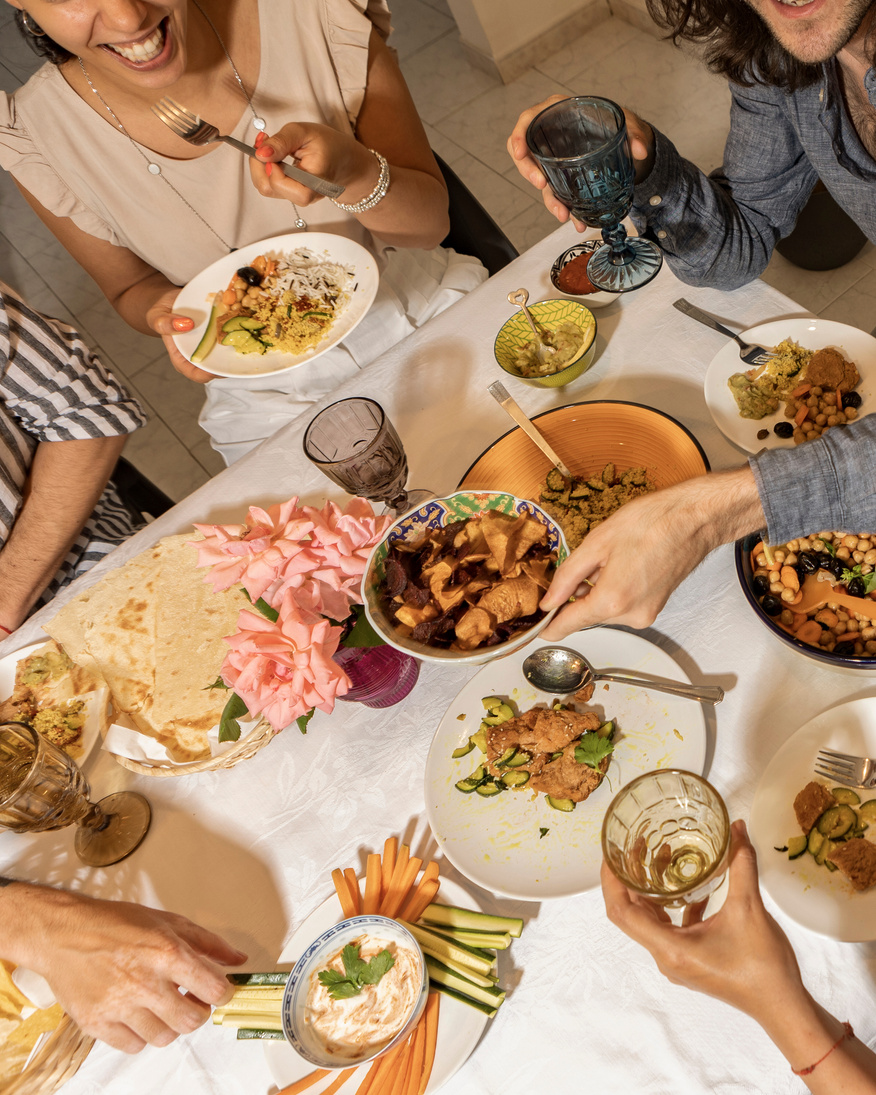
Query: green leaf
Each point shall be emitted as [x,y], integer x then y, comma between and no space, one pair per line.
[592,749]
[828,547]
[262,605]
[353,964]
[229,727]
[330,977]
[542,833]
[218,683]
[303,720]
[362,633]
[379,965]
[343,990]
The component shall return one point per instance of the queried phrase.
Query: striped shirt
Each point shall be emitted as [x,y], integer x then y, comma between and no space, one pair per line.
[52,388]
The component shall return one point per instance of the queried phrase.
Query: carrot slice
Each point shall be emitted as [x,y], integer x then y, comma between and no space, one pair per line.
[305,1082]
[371,902]
[337,1084]
[431,1039]
[343,892]
[801,415]
[418,1056]
[353,886]
[420,900]
[399,890]
[365,1087]
[385,1067]
[801,389]
[401,1070]
[390,851]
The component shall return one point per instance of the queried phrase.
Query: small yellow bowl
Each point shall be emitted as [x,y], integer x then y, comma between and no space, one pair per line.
[516,332]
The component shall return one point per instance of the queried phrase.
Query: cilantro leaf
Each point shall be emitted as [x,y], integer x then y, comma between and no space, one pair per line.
[344,989]
[353,964]
[828,547]
[592,749]
[330,977]
[379,965]
[542,833]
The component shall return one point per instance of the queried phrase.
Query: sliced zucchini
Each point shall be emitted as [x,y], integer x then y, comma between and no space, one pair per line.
[489,788]
[463,750]
[564,805]
[490,702]
[824,851]
[507,756]
[836,821]
[479,738]
[515,779]
[208,339]
[469,919]
[444,949]
[441,975]
[606,729]
[520,758]
[846,795]
[243,342]
[467,786]
[797,846]
[463,999]
[499,714]
[814,842]
[867,810]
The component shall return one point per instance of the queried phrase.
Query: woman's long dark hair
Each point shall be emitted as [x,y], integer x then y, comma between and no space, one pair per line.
[43,44]
[737,43]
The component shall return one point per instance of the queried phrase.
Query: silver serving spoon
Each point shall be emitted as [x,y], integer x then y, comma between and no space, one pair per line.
[558,669]
[544,349]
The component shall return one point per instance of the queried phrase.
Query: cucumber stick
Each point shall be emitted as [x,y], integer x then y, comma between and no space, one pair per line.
[442,948]
[253,1007]
[253,1033]
[248,1019]
[469,920]
[497,941]
[443,977]
[463,999]
[274,977]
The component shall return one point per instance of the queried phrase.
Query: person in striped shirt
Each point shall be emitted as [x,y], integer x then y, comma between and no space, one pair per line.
[63,422]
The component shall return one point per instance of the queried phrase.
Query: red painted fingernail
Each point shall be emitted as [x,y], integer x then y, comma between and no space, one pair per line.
[269,167]
[260,139]
[183,324]
[268,149]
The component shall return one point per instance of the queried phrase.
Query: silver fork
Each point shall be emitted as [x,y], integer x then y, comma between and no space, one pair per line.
[751,353]
[845,769]
[195,130]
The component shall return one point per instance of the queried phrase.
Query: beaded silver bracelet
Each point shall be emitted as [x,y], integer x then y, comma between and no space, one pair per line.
[376,195]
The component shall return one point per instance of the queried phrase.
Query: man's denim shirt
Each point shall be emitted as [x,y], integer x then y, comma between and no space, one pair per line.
[720,230]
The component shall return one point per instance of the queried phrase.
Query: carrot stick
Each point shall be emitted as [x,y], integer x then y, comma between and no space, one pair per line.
[353,886]
[431,1039]
[385,1067]
[418,1056]
[337,1084]
[399,890]
[401,862]
[801,389]
[430,872]
[343,892]
[390,851]
[371,904]
[366,1084]
[420,900]
[400,1072]
[306,1082]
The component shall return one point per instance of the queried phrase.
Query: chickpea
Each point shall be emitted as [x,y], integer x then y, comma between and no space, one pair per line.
[866,568]
[868,633]
[812,401]
[817,390]
[870,647]
[851,413]
[858,556]
[791,558]
[821,419]
[870,556]
[864,544]
[787,617]
[843,553]
[779,555]
[799,436]
[777,588]
[852,626]
[842,615]
[830,399]
[833,420]
[839,628]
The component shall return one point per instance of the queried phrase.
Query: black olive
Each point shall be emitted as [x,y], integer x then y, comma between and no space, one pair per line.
[801,573]
[762,434]
[825,560]
[772,606]
[857,588]
[783,429]
[760,585]
[851,399]
[837,566]
[808,562]
[844,646]
[250,275]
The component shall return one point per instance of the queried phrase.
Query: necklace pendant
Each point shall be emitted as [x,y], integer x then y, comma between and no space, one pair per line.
[259,123]
[153,168]
[299,223]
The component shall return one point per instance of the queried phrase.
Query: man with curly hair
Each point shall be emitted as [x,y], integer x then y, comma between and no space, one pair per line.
[803,109]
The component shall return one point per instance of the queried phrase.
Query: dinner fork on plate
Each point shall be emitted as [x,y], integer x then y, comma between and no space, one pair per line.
[751,353]
[195,130]
[846,769]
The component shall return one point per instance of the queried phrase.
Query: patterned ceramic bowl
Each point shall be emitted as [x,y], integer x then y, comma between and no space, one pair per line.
[298,1028]
[412,527]
[516,332]
[597,299]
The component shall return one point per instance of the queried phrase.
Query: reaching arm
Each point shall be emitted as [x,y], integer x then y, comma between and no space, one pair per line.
[63,486]
[117,968]
[741,956]
[414,211]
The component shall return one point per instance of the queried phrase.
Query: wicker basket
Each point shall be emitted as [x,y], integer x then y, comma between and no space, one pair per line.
[247,747]
[54,1062]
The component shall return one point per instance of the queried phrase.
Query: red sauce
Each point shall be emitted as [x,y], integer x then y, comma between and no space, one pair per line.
[573,277]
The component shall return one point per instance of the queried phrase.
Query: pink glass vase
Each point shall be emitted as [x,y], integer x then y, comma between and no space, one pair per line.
[379,675]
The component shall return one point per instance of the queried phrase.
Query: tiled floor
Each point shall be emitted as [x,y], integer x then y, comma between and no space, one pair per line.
[468,115]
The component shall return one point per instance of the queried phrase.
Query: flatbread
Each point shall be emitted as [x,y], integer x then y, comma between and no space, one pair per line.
[18,1035]
[154,629]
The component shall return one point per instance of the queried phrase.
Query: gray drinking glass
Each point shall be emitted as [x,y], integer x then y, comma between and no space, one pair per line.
[582,146]
[355,445]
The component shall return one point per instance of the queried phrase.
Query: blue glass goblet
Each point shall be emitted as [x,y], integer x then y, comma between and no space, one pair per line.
[583,148]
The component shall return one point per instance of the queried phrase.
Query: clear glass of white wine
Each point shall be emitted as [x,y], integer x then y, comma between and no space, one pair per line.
[666,836]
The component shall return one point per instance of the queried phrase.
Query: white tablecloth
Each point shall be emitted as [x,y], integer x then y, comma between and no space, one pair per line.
[248,852]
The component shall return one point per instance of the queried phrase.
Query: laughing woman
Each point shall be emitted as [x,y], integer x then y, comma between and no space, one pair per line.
[143,211]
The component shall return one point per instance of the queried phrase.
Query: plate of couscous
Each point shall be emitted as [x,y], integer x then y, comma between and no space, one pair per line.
[794,412]
[276,304]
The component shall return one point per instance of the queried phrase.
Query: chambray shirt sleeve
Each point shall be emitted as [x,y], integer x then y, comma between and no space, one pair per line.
[719,230]
[829,483]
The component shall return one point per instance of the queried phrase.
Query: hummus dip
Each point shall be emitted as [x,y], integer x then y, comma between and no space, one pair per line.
[360,1026]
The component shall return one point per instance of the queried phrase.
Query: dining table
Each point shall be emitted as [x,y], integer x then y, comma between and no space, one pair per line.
[248,851]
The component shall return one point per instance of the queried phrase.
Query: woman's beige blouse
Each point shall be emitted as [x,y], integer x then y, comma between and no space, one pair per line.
[314,59]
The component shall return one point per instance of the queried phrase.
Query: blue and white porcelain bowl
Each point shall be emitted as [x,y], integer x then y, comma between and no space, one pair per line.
[299,1031]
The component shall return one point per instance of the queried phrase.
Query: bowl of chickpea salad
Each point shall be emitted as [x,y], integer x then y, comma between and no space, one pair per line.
[816,594]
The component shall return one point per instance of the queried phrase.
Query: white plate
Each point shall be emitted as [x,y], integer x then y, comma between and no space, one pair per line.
[459,1026]
[811,334]
[91,728]
[820,900]
[497,842]
[196,300]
